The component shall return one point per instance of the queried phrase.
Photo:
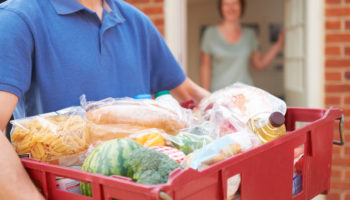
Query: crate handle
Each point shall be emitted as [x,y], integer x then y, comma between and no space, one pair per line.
[164,196]
[341,134]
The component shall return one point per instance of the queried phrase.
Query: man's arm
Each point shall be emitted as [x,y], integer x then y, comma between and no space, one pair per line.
[14,181]
[189,90]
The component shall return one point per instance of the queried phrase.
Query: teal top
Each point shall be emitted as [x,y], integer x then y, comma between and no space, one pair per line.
[229,61]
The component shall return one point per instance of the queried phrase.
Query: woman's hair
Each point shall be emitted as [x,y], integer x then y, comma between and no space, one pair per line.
[242,2]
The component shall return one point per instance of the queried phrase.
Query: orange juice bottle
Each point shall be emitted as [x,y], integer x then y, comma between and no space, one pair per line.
[268,128]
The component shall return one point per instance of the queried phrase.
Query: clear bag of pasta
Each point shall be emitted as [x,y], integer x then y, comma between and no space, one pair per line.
[52,136]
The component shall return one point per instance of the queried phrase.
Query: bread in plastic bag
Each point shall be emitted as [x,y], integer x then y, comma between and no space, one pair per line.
[118,118]
[243,100]
[51,136]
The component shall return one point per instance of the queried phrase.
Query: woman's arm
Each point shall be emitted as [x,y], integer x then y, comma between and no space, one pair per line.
[205,71]
[189,90]
[260,62]
[14,181]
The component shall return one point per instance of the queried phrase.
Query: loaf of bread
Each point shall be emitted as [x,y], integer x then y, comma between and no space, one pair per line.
[122,118]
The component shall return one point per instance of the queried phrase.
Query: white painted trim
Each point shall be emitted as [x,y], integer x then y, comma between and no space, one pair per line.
[315,53]
[176,29]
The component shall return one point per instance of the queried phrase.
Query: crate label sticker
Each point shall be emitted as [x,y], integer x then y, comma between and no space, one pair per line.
[233,184]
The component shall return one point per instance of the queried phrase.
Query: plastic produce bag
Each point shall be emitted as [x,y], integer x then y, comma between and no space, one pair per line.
[119,118]
[149,137]
[51,136]
[242,100]
[220,149]
[188,142]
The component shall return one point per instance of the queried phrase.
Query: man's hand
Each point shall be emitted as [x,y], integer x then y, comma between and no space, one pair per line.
[189,90]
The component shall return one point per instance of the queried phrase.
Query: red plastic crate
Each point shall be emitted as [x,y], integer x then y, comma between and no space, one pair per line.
[266,171]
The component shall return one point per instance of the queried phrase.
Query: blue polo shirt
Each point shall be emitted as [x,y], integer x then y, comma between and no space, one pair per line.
[53,51]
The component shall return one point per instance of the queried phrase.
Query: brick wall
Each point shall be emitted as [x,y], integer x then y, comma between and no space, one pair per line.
[338,88]
[154,9]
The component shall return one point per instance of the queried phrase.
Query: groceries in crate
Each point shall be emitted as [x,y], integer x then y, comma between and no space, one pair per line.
[125,157]
[268,126]
[51,136]
[146,139]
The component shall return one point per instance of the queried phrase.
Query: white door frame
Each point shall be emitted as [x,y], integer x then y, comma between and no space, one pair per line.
[315,54]
[176,29]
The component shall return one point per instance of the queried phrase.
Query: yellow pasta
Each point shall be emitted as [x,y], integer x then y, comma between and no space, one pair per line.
[51,138]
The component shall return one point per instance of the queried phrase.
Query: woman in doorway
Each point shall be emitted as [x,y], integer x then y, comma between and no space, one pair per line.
[228,49]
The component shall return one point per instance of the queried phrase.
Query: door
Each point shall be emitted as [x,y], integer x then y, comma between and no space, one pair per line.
[295,65]
[304,53]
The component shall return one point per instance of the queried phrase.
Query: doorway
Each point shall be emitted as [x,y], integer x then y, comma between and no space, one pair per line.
[296,75]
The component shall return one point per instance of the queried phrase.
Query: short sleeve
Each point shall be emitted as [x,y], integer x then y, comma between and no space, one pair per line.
[166,73]
[16,42]
[206,46]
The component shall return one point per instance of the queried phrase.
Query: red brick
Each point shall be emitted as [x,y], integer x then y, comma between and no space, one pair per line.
[338,88]
[347,196]
[347,174]
[334,76]
[347,50]
[340,184]
[338,37]
[333,50]
[333,1]
[347,25]
[338,63]
[337,149]
[341,161]
[336,173]
[347,75]
[333,196]
[153,10]
[332,100]
[347,151]
[338,12]
[333,25]
[346,112]
[347,125]
[347,100]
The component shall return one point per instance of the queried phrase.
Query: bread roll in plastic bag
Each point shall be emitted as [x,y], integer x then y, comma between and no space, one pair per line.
[51,136]
[243,100]
[118,118]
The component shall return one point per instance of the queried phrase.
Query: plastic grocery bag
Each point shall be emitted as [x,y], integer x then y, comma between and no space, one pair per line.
[150,137]
[118,118]
[51,136]
[188,142]
[242,100]
[220,149]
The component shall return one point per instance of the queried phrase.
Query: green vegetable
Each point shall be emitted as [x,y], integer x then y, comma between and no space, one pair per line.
[109,158]
[187,142]
[150,166]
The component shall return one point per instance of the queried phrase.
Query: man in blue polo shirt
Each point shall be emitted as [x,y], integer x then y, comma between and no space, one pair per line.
[53,51]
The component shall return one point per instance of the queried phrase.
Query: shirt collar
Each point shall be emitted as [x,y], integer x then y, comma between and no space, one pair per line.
[65,7]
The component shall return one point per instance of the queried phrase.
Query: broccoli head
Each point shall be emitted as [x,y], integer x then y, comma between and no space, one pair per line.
[150,166]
